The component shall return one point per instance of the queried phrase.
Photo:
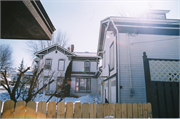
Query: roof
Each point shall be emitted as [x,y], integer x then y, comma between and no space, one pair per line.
[25,20]
[138,26]
[53,48]
[86,54]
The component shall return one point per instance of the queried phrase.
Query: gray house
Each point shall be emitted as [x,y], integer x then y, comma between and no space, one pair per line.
[121,44]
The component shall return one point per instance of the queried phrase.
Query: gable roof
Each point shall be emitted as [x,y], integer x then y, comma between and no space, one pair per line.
[138,26]
[53,48]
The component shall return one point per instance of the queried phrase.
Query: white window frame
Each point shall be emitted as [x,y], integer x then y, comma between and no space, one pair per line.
[63,64]
[104,59]
[111,56]
[85,66]
[50,65]
[77,85]
[47,87]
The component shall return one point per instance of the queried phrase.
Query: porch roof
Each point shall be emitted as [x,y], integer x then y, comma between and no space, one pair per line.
[25,20]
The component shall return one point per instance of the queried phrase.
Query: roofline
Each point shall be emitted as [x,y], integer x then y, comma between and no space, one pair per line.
[36,53]
[133,19]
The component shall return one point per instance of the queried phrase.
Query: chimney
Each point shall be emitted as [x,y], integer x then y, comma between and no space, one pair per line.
[69,48]
[72,48]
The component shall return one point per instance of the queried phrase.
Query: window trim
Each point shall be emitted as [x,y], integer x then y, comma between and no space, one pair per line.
[57,81]
[82,91]
[64,64]
[110,55]
[45,63]
[48,86]
[104,59]
[89,66]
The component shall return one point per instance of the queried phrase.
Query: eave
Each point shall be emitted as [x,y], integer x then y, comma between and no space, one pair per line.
[25,20]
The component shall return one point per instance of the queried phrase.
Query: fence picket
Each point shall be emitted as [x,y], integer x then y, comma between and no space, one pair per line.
[140,113]
[124,110]
[31,110]
[51,113]
[112,109]
[41,112]
[149,110]
[106,109]
[100,110]
[77,111]
[20,109]
[61,110]
[69,110]
[0,107]
[8,109]
[135,110]
[118,110]
[144,110]
[85,111]
[129,113]
[93,110]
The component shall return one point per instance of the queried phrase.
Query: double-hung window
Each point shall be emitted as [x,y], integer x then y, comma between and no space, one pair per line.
[87,66]
[48,63]
[46,81]
[61,64]
[111,56]
[83,85]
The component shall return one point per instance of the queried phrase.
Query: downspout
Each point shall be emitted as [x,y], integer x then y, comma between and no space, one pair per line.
[129,62]
[117,66]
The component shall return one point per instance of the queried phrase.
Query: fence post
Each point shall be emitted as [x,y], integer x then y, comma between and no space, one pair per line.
[147,77]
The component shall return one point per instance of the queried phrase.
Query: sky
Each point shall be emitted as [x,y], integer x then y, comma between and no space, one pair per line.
[80,20]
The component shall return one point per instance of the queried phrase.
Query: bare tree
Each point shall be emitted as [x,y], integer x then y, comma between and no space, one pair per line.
[17,92]
[59,37]
[6,56]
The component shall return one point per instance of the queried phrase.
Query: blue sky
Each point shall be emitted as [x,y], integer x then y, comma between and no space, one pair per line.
[80,19]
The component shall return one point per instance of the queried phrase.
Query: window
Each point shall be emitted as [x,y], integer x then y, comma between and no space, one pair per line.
[87,66]
[59,83]
[111,56]
[83,84]
[48,64]
[104,59]
[46,81]
[61,63]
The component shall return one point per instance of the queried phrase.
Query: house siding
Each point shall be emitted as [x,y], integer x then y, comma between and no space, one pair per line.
[54,68]
[155,46]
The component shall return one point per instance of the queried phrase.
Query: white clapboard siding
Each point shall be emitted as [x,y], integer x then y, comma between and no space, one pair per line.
[155,46]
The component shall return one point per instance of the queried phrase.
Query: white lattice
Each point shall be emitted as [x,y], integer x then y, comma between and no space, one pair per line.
[164,70]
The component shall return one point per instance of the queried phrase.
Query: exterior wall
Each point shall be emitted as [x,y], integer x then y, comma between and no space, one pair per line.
[110,38]
[155,46]
[78,66]
[108,91]
[54,67]
[93,91]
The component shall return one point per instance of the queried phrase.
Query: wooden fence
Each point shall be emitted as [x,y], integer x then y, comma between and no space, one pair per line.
[77,110]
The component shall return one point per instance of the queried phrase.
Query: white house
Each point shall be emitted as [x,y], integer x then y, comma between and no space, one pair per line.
[121,44]
[56,59]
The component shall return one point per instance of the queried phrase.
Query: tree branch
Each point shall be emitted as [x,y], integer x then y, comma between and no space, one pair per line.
[4,75]
[18,80]
[31,95]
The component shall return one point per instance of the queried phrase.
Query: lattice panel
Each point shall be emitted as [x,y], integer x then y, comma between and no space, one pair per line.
[164,70]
